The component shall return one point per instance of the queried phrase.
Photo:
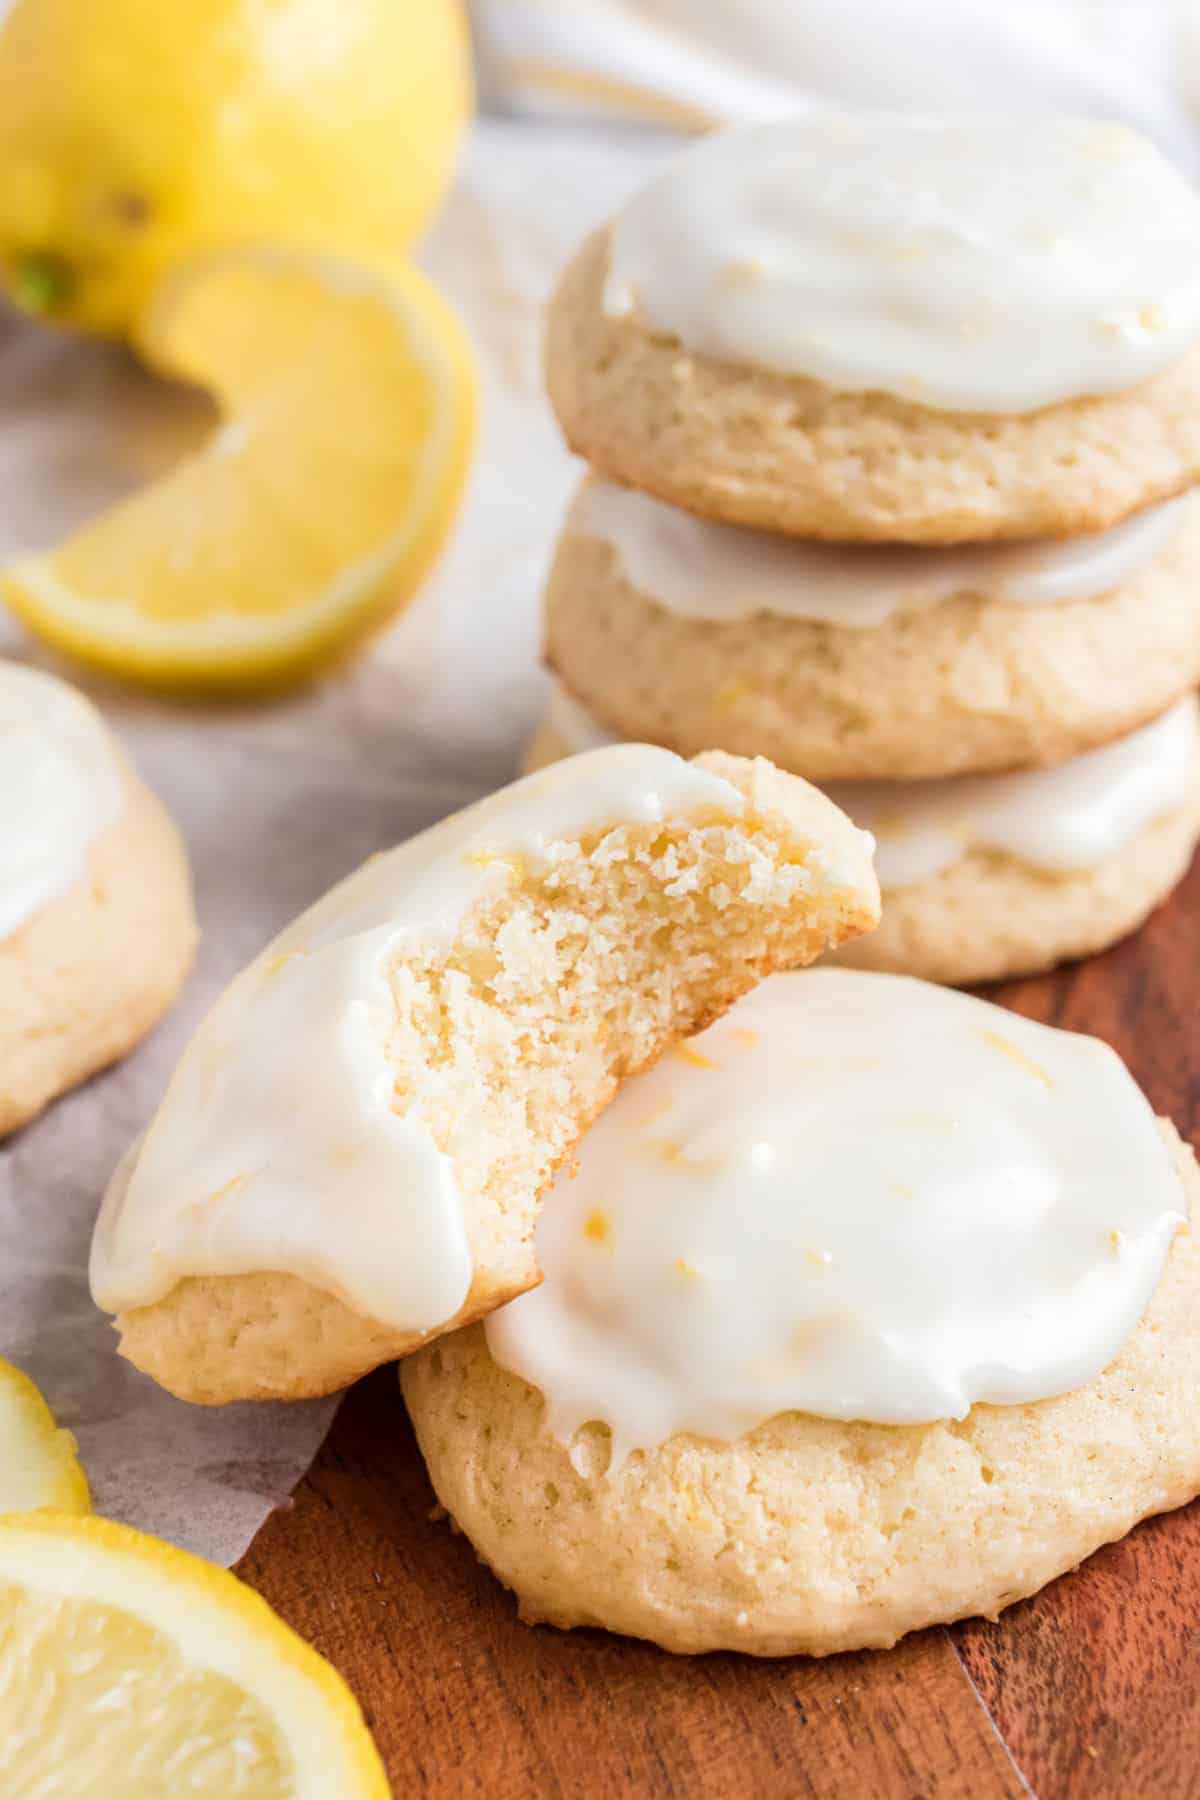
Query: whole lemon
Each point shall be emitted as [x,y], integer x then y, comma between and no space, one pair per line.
[137,133]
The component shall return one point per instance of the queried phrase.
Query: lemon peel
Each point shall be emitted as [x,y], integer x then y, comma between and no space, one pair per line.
[312,513]
[128,1666]
[129,149]
[38,1462]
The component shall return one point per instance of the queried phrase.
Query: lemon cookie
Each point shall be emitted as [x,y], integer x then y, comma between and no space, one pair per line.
[870,1310]
[96,924]
[986,877]
[991,876]
[884,327]
[861,661]
[350,1155]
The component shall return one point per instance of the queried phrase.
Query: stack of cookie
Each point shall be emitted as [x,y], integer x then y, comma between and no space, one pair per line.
[807,1369]
[892,425]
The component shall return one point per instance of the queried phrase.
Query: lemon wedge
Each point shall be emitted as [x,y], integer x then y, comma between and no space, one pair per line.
[38,1464]
[310,516]
[128,1667]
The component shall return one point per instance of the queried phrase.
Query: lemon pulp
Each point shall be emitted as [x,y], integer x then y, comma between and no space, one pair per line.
[38,1464]
[128,1667]
[347,398]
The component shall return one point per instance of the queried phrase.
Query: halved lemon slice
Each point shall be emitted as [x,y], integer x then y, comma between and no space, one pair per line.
[310,516]
[128,1667]
[38,1464]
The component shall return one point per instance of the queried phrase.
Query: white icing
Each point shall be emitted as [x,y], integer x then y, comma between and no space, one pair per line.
[1070,817]
[966,263]
[61,787]
[706,570]
[858,1196]
[276,1145]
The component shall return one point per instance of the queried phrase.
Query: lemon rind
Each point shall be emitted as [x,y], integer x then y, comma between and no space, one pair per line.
[228,649]
[216,1622]
[68,1491]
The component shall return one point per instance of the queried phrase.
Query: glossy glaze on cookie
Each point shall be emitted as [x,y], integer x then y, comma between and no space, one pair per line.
[61,787]
[857,1196]
[1064,820]
[954,261]
[702,569]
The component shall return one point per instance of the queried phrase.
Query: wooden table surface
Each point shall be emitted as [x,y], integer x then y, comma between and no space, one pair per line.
[1091,1688]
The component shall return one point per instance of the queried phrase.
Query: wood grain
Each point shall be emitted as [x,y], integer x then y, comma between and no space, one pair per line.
[1094,1686]
[463,1699]
[1095,1683]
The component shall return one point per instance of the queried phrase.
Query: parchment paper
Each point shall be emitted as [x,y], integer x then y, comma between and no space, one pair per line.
[279,800]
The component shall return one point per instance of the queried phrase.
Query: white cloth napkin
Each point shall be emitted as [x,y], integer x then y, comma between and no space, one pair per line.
[691,64]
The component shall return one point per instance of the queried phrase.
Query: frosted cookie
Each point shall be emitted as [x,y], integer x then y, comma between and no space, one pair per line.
[96,924]
[986,877]
[883,327]
[857,661]
[350,1156]
[992,876]
[867,1310]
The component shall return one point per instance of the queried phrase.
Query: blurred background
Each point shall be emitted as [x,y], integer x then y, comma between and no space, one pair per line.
[692,63]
